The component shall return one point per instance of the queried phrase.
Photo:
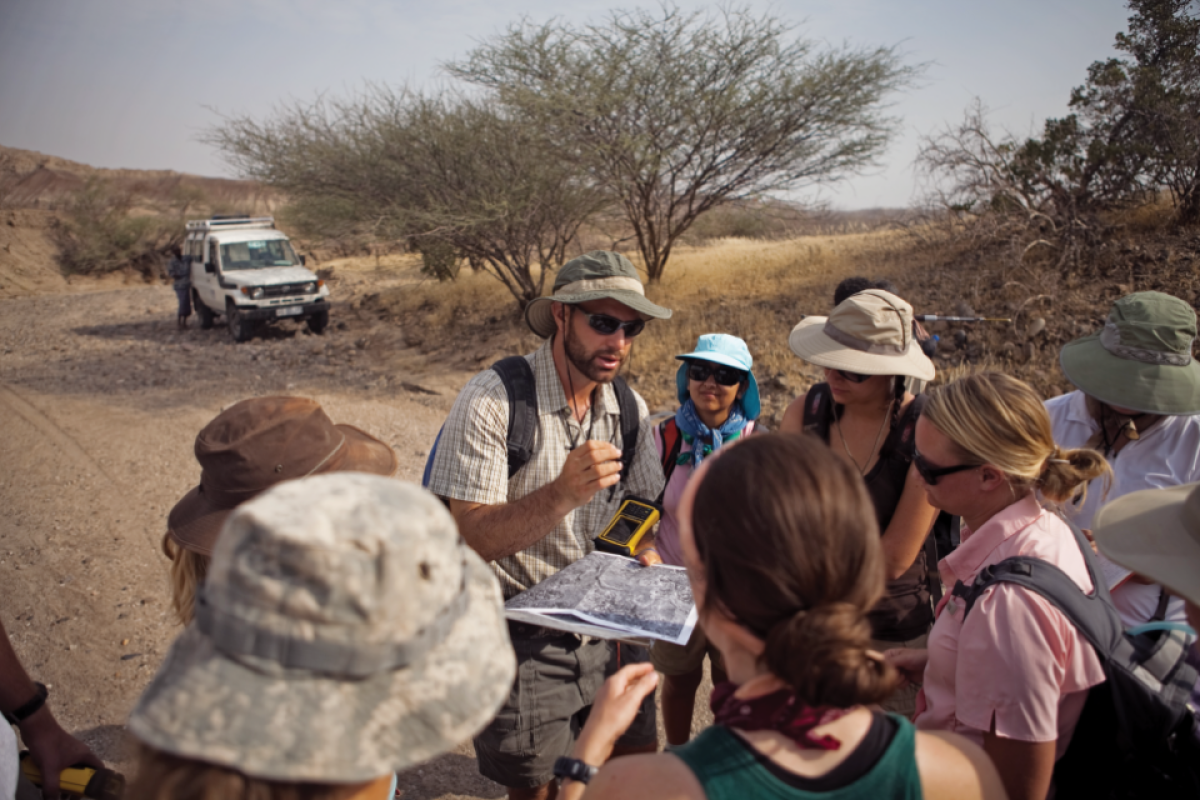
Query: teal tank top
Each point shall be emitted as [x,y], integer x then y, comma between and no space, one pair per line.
[729,769]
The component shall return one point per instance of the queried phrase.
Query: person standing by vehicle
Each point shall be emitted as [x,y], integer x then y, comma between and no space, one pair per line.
[720,404]
[181,270]
[544,516]
[866,416]
[1138,404]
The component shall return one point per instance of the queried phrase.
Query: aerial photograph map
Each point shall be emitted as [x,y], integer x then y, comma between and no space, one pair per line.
[605,592]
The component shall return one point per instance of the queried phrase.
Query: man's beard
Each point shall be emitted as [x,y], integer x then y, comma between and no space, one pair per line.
[585,362]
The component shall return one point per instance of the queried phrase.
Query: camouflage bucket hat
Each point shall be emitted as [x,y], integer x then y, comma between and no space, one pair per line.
[344,631]
[1142,359]
[593,276]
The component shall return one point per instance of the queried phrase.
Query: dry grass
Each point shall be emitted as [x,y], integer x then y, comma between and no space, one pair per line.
[759,289]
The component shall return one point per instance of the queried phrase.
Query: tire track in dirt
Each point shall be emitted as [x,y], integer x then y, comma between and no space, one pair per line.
[27,411]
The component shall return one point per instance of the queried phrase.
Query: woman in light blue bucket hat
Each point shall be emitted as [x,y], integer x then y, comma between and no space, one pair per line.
[719,404]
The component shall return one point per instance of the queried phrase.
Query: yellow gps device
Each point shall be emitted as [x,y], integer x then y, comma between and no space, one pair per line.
[633,520]
[80,781]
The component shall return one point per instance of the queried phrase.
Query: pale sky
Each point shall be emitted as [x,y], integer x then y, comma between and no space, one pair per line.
[131,83]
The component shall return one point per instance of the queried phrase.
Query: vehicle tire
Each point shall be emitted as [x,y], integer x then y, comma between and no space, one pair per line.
[240,328]
[318,322]
[204,312]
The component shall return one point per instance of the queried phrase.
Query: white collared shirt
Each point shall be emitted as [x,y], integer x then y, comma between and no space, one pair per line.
[1166,455]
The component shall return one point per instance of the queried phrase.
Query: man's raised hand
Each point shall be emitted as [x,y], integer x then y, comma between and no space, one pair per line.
[589,468]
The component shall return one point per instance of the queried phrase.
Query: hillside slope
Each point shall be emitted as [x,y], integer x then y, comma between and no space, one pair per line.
[37,190]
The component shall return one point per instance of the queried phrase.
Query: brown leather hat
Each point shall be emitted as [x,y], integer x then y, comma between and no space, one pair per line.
[257,443]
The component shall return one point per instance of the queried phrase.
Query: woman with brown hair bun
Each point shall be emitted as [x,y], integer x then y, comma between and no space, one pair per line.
[1014,675]
[783,555]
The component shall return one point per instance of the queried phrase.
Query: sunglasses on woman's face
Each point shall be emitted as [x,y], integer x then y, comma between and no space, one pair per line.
[930,473]
[853,377]
[699,371]
[605,325]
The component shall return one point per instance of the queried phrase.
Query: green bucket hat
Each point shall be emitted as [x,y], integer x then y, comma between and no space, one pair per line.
[593,276]
[1142,359]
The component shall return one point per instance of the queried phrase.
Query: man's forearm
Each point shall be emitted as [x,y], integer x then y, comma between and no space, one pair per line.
[496,531]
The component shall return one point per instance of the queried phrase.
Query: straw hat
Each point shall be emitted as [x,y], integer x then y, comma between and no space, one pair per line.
[257,443]
[870,333]
[344,631]
[593,276]
[1156,533]
[1142,358]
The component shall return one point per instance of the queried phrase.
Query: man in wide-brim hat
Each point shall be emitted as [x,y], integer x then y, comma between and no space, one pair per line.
[544,516]
[1138,403]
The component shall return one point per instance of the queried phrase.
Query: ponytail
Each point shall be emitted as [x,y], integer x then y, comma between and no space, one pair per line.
[823,653]
[1066,474]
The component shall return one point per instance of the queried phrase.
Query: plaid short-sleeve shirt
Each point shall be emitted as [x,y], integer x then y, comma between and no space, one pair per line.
[471,464]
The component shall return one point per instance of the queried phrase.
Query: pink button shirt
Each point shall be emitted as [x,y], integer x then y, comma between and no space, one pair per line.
[1017,661]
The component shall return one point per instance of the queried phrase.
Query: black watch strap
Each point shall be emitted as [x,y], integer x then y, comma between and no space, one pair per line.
[30,707]
[572,769]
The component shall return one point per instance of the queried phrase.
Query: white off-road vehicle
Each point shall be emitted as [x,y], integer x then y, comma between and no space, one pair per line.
[246,270]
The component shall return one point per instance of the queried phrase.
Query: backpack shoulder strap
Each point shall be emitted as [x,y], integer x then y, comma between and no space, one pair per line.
[668,431]
[630,424]
[1092,615]
[521,387]
[818,411]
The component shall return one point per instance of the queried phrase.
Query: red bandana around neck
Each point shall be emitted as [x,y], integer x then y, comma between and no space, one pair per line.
[777,711]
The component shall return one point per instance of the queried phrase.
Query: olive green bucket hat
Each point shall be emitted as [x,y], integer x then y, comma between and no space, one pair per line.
[1142,358]
[593,276]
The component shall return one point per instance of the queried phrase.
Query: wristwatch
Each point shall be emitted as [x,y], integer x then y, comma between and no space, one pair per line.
[30,707]
[572,769]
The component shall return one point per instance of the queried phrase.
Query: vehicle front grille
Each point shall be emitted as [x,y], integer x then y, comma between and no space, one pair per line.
[284,290]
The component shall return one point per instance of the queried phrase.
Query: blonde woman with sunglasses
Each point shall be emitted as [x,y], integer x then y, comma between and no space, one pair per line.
[865,415]
[1014,675]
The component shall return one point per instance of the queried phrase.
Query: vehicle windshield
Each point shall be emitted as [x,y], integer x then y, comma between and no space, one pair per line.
[258,254]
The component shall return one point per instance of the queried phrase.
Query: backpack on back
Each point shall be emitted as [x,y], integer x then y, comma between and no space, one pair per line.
[521,387]
[1135,737]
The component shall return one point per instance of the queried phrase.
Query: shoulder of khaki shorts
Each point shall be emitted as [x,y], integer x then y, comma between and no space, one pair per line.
[793,417]
[661,776]
[953,768]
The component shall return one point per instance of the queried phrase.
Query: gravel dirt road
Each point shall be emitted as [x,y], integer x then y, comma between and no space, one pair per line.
[100,401]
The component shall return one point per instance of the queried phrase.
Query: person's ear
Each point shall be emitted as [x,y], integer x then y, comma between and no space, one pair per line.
[743,388]
[991,478]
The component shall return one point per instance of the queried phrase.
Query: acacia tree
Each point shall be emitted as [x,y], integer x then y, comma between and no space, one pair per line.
[1134,130]
[675,114]
[437,170]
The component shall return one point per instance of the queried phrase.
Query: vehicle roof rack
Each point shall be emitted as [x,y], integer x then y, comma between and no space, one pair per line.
[229,222]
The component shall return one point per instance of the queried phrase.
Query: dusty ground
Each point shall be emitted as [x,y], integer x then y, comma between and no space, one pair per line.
[100,401]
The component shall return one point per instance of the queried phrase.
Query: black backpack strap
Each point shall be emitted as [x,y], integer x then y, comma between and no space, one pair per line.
[818,411]
[1160,611]
[630,424]
[517,376]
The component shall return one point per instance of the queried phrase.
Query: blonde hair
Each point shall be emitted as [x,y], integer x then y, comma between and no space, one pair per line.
[188,569]
[996,419]
[163,776]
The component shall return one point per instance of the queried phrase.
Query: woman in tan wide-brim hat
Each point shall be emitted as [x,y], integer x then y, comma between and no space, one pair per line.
[250,447]
[864,413]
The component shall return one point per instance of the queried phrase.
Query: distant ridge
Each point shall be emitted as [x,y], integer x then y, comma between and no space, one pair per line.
[33,180]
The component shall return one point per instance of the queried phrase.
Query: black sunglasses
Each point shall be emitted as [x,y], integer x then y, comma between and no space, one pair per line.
[853,377]
[699,371]
[605,325]
[930,474]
